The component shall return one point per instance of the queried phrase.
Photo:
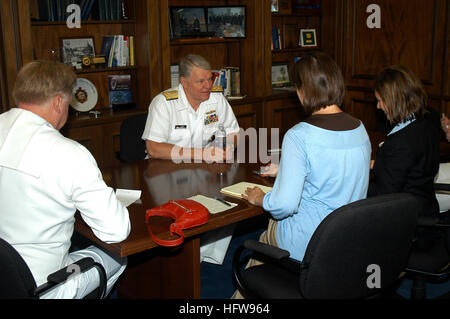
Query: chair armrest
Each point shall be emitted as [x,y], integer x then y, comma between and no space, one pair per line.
[266,254]
[427,221]
[441,187]
[274,255]
[63,274]
[75,268]
[266,250]
[441,220]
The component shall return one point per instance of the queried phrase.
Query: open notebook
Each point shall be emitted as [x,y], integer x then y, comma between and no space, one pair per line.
[238,189]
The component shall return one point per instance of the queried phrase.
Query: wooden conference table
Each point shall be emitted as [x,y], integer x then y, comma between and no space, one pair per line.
[162,272]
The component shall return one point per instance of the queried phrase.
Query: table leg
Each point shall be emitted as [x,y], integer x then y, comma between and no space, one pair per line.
[172,273]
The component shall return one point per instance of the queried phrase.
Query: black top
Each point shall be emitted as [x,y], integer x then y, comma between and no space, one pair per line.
[408,161]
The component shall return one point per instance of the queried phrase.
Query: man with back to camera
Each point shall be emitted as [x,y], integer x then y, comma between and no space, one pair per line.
[182,122]
[45,178]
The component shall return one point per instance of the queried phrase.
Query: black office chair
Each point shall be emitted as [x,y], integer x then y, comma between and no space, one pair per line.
[132,146]
[352,248]
[429,260]
[17,281]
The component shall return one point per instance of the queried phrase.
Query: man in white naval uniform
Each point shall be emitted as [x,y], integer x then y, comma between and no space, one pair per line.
[181,124]
[45,178]
[182,121]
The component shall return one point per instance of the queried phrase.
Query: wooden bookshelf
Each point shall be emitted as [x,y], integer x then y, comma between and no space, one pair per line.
[289,21]
[46,44]
[42,40]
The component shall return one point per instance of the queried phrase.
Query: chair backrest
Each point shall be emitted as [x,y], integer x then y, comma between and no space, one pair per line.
[361,248]
[132,147]
[16,279]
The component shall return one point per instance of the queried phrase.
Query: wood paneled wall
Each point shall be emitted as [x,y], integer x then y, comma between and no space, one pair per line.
[151,49]
[414,33]
[10,64]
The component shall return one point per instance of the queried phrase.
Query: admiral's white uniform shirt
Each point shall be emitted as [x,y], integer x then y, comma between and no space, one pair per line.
[44,179]
[171,119]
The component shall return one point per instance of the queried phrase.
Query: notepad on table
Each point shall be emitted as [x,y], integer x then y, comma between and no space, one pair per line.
[236,190]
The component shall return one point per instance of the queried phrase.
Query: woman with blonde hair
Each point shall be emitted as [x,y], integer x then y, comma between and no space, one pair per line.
[408,160]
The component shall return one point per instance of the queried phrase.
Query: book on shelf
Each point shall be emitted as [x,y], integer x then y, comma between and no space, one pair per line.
[307,4]
[216,77]
[174,75]
[46,10]
[237,190]
[56,10]
[232,98]
[86,8]
[108,10]
[120,91]
[276,39]
[107,42]
[123,52]
[131,50]
[118,50]
[304,6]
[229,78]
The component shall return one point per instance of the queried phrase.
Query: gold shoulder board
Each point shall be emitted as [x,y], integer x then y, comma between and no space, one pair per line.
[171,95]
[217,88]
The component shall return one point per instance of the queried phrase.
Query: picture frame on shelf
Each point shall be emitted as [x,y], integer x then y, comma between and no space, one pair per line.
[274,6]
[308,38]
[280,75]
[188,22]
[227,21]
[73,50]
[120,91]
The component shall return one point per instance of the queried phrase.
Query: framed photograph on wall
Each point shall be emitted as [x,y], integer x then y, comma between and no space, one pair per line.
[308,38]
[227,22]
[73,50]
[280,75]
[188,22]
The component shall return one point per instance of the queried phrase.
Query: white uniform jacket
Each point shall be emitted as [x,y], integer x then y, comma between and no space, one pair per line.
[171,119]
[44,179]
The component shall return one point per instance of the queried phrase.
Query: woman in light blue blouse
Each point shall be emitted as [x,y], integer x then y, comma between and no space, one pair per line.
[325,160]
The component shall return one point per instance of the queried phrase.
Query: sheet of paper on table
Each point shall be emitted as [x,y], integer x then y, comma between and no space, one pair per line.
[128,196]
[214,206]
